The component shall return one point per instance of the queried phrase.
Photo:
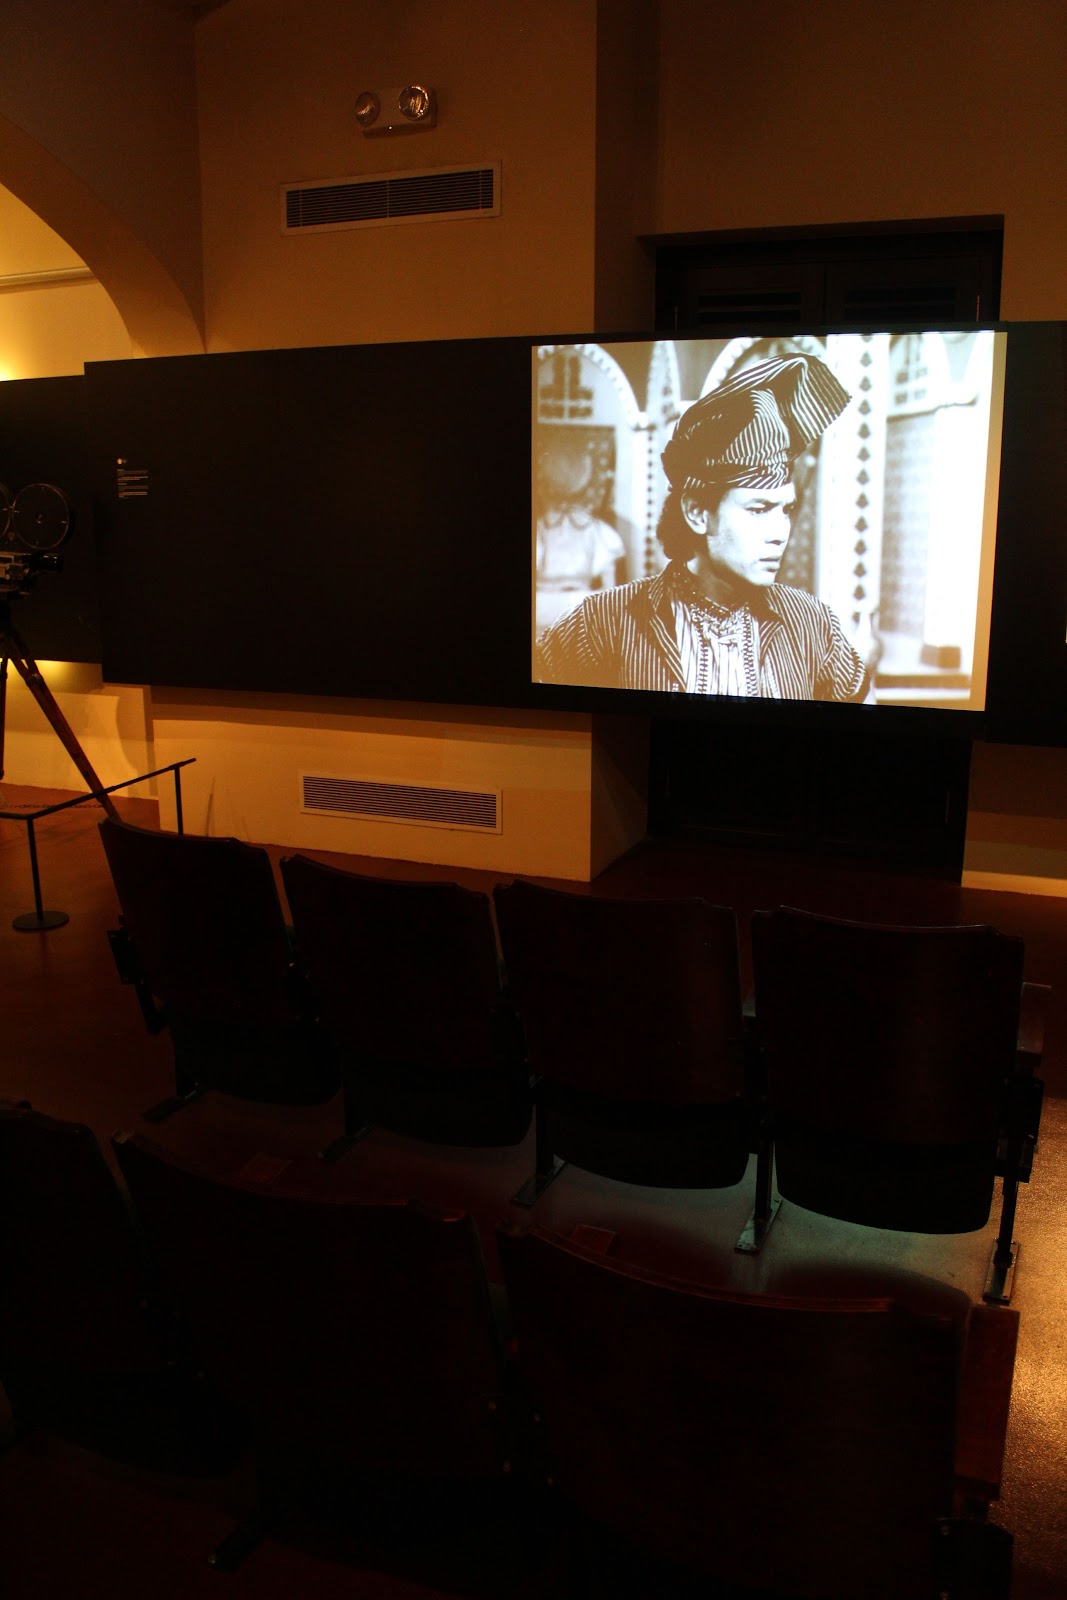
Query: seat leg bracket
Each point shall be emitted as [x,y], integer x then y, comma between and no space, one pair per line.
[535,1186]
[1000,1276]
[752,1236]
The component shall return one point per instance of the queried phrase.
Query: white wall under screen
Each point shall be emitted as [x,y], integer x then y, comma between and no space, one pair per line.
[866,523]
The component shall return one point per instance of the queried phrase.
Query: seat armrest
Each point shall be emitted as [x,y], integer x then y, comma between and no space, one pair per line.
[755,1067]
[1030,1040]
[1020,1120]
[982,1403]
[128,966]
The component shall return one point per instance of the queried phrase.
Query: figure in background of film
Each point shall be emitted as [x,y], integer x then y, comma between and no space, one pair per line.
[715,621]
[578,552]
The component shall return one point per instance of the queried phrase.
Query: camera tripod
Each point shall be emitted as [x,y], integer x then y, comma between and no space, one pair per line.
[13,649]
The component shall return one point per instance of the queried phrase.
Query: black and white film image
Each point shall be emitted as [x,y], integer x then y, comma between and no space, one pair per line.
[801,518]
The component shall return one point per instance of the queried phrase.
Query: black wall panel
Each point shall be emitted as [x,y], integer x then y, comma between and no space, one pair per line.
[355,521]
[1026,701]
[352,520]
[42,440]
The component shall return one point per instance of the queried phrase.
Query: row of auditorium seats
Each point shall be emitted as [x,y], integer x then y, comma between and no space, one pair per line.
[885,1074]
[829,1447]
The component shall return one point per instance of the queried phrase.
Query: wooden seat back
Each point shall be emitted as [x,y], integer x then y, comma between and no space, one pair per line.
[633,1021]
[354,1336]
[406,977]
[803,1447]
[206,922]
[887,1053]
[89,1349]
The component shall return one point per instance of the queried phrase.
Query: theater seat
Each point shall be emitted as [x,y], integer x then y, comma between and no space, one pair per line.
[204,941]
[90,1351]
[359,1339]
[899,1071]
[829,1448]
[633,1022]
[406,979]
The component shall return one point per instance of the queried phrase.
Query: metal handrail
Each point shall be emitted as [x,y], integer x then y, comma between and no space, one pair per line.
[38,920]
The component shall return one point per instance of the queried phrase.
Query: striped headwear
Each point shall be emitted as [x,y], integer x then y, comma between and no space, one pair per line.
[748,432]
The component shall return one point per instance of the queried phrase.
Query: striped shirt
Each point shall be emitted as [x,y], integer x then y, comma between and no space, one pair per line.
[783,644]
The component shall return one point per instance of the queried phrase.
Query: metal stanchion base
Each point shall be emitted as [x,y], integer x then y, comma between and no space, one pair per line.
[32,922]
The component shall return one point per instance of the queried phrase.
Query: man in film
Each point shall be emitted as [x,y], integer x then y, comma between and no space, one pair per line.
[715,621]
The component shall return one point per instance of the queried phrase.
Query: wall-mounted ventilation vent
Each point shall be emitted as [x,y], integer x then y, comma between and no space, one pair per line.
[400,802]
[386,197]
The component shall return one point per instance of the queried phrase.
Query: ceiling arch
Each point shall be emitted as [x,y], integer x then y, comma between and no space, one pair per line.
[157,315]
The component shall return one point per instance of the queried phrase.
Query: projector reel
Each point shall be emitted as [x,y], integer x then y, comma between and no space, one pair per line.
[40,517]
[33,525]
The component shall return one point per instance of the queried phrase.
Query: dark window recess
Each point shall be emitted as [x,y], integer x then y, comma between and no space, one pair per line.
[766,295]
[888,277]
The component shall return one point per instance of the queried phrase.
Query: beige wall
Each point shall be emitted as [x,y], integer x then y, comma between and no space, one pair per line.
[112,723]
[568,803]
[27,243]
[251,754]
[98,134]
[626,126]
[50,330]
[604,131]
[851,111]
[278,83]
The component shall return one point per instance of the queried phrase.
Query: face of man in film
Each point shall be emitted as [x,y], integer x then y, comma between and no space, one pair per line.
[745,537]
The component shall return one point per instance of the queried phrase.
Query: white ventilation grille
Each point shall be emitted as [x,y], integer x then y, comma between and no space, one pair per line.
[473,810]
[386,197]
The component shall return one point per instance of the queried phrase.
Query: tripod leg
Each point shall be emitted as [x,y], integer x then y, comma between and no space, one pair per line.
[3,711]
[30,673]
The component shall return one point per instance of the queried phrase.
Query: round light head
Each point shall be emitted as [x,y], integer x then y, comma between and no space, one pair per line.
[368,109]
[415,102]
